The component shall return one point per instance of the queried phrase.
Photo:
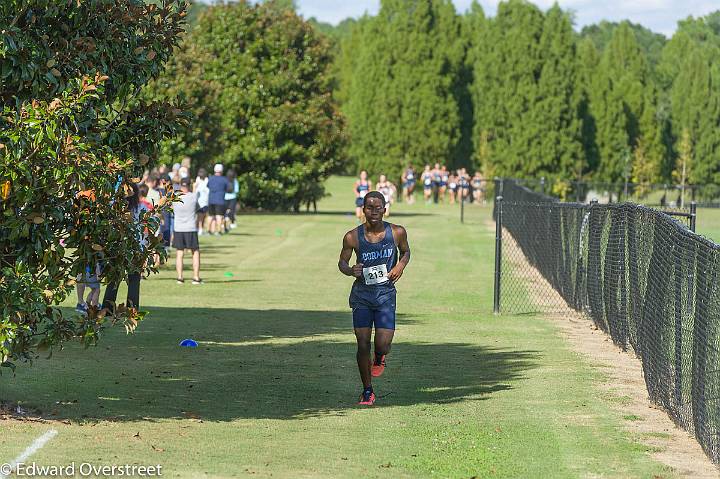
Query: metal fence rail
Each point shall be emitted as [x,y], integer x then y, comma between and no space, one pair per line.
[641,275]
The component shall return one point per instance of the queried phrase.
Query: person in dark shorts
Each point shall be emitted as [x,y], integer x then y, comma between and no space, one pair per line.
[186,236]
[382,252]
[218,186]
[137,212]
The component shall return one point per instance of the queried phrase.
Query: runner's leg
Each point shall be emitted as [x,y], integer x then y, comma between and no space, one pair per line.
[363,336]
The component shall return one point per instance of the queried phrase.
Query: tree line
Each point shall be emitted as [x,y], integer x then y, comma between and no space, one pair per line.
[288,102]
[523,94]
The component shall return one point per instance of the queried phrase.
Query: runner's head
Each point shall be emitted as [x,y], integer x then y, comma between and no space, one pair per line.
[374,207]
[363,175]
[383,178]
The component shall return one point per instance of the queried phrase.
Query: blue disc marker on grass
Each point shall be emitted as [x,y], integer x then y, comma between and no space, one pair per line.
[189,343]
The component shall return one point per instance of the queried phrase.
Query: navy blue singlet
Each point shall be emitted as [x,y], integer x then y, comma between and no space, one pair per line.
[383,253]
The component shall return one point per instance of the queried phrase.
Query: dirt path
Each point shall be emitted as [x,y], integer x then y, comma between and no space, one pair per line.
[648,423]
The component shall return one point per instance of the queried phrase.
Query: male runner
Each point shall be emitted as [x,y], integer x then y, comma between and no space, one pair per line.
[382,253]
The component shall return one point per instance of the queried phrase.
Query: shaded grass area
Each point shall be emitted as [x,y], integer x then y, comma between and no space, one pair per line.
[271,390]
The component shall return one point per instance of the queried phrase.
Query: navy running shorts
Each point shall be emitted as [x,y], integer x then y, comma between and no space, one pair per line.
[382,318]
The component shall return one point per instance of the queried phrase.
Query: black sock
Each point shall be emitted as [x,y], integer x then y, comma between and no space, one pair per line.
[368,389]
[378,358]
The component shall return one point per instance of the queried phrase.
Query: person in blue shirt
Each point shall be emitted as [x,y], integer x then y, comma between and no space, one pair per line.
[218,186]
[382,252]
[231,199]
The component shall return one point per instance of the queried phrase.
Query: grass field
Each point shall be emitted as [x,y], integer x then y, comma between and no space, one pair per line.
[271,390]
[708,223]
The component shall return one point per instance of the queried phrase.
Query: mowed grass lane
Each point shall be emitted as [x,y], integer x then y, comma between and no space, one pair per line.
[271,390]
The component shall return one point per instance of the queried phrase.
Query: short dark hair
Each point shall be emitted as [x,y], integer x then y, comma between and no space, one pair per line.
[143,189]
[185,182]
[374,194]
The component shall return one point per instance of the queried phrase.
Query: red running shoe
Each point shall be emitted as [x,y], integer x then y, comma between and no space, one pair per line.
[367,398]
[377,369]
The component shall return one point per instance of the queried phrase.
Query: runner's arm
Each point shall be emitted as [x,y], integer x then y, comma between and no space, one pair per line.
[401,240]
[346,255]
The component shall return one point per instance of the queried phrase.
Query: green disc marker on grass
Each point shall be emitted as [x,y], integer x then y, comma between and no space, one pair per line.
[229,274]
[278,232]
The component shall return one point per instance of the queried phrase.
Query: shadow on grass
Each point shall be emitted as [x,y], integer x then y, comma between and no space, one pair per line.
[250,364]
[211,281]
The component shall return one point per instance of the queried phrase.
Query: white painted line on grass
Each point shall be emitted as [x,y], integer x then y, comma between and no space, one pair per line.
[32,449]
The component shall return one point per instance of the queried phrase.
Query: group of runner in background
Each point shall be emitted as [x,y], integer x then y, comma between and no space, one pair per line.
[438,184]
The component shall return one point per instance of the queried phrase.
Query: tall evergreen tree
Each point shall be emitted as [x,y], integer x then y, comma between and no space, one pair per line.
[558,99]
[401,104]
[690,69]
[588,59]
[508,62]
[260,88]
[625,109]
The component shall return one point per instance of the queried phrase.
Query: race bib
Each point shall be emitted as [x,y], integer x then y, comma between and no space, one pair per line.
[375,274]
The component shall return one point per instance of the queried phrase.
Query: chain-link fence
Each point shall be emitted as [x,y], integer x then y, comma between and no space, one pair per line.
[657,195]
[641,275]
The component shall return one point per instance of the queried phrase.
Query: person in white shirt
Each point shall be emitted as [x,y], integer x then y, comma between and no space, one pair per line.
[203,196]
[185,228]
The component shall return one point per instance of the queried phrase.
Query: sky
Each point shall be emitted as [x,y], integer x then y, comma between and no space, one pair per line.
[658,15]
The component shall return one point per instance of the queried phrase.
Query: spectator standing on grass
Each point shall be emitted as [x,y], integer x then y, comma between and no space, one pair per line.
[89,279]
[231,198]
[186,233]
[201,188]
[218,185]
[164,184]
[133,277]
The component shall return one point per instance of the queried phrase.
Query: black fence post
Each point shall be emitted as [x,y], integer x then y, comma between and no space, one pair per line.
[498,252]
[693,216]
[578,198]
[542,185]
[462,206]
